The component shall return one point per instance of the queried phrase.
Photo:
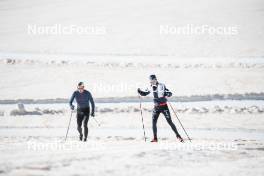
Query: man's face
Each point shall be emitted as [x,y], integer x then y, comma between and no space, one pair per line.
[81,88]
[153,82]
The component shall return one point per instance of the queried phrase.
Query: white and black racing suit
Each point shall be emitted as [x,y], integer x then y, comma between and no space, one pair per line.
[160,92]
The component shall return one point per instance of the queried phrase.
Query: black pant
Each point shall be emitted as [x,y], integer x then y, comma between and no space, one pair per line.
[83,117]
[166,112]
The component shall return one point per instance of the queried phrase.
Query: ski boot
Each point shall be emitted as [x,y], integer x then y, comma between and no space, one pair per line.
[154,140]
[180,138]
[81,137]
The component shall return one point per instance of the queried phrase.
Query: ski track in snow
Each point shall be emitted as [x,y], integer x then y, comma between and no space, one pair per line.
[124,157]
[118,147]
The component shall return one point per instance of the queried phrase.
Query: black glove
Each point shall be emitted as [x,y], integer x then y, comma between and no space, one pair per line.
[92,114]
[72,107]
[168,94]
[138,90]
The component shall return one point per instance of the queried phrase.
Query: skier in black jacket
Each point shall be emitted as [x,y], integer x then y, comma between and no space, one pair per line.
[83,98]
[160,93]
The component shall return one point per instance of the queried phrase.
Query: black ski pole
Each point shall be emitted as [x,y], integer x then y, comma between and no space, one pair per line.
[143,126]
[179,121]
[68,126]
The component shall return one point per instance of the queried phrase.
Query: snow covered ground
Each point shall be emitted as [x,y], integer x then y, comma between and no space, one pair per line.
[34,145]
[227,135]
[217,83]
[133,27]
[121,76]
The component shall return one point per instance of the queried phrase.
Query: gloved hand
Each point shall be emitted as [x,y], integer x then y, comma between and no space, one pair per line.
[92,114]
[168,94]
[138,90]
[72,107]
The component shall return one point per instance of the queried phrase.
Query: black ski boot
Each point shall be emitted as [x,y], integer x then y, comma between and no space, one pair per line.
[154,140]
[81,137]
[180,138]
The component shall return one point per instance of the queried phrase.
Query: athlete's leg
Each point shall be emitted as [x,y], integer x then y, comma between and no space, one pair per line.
[155,116]
[80,116]
[166,112]
[85,123]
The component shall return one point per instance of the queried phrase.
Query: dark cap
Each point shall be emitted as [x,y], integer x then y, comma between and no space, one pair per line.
[152,77]
[80,84]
